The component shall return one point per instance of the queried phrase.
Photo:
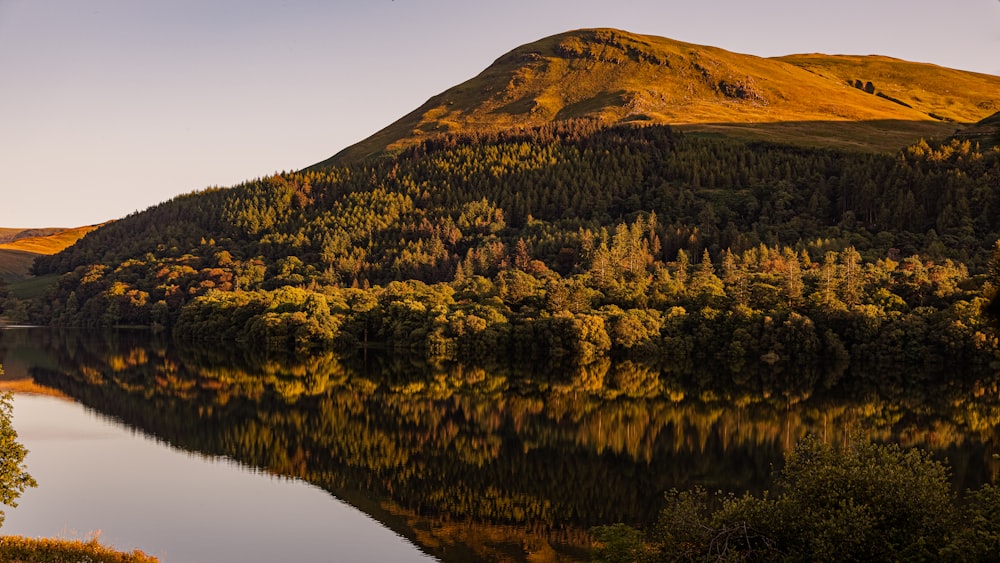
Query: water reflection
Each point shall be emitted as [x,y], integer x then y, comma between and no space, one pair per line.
[504,463]
[186,508]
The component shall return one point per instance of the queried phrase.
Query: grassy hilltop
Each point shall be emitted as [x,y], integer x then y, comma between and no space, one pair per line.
[870,103]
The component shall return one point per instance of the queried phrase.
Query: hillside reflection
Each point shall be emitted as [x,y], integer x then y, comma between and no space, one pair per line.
[503,463]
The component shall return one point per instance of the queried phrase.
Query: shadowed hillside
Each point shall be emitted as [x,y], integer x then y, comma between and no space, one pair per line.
[617,77]
[986,131]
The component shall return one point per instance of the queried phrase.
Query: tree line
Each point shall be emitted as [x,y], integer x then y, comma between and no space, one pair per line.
[567,241]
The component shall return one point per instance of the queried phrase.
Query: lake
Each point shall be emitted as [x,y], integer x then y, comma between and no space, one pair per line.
[213,454]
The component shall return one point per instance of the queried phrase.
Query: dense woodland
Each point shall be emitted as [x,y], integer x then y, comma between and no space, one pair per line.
[569,243]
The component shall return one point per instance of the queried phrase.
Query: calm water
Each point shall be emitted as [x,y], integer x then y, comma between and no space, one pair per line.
[215,455]
[94,474]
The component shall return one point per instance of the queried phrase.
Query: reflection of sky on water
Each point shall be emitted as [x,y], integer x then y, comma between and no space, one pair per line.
[96,475]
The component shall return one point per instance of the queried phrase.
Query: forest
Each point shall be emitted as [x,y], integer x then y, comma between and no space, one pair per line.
[566,244]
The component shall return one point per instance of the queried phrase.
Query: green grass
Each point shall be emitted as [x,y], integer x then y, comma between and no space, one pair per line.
[15,265]
[882,136]
[619,77]
[33,287]
[17,549]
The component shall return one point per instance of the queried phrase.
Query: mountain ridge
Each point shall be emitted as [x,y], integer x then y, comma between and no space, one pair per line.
[614,76]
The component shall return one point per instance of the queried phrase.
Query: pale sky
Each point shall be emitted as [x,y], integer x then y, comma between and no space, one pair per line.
[110,106]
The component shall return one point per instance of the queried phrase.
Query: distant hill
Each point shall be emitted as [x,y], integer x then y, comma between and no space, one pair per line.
[19,247]
[10,235]
[870,102]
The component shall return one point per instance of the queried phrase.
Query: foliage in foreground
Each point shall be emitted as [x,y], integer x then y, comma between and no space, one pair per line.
[17,549]
[14,479]
[865,502]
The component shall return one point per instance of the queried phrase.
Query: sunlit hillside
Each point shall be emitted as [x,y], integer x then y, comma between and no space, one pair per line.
[8,234]
[941,93]
[870,103]
[20,247]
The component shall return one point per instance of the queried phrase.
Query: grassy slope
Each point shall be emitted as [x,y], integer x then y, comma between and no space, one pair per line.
[8,235]
[881,136]
[986,131]
[15,265]
[17,255]
[952,95]
[32,287]
[615,76]
[50,243]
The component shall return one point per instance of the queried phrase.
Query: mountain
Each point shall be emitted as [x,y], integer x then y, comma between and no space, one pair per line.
[20,247]
[871,103]
[495,239]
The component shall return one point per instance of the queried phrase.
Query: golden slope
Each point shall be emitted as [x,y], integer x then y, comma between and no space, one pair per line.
[940,93]
[49,244]
[619,77]
[17,256]
[8,235]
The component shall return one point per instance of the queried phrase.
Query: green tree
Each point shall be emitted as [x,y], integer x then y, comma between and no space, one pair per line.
[991,290]
[704,283]
[979,538]
[618,544]
[14,478]
[862,502]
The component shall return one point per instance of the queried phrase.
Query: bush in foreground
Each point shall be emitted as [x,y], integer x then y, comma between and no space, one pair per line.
[862,502]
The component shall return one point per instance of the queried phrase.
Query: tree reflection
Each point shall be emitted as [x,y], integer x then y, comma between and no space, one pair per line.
[504,462]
